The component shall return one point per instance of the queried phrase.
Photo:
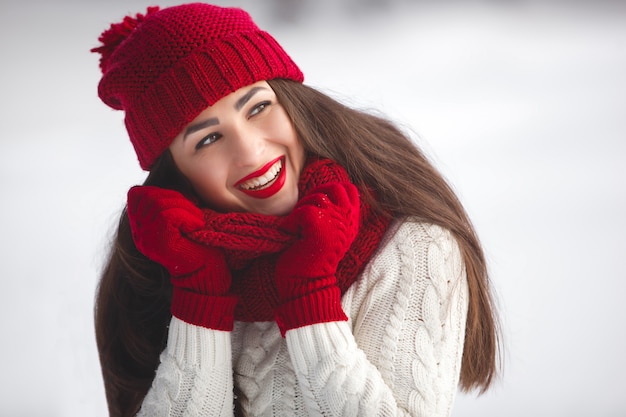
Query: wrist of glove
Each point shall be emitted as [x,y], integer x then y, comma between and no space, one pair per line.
[160,220]
[215,312]
[326,221]
[320,306]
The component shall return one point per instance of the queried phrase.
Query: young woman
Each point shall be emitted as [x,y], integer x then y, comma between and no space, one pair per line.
[287,255]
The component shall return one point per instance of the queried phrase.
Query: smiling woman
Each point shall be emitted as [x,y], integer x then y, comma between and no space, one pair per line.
[286,255]
[242,153]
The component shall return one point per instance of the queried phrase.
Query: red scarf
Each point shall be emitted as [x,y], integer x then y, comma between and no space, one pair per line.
[252,243]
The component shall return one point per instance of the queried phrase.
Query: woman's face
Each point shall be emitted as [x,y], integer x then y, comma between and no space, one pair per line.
[242,153]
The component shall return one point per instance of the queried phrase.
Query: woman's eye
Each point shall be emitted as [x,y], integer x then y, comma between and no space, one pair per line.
[259,108]
[207,140]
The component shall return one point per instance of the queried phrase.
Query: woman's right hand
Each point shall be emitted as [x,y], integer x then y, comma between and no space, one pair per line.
[160,219]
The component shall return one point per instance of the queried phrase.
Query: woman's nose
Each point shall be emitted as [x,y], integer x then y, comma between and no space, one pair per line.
[248,147]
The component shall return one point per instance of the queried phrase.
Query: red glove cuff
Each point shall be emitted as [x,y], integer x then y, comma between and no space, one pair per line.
[320,306]
[210,311]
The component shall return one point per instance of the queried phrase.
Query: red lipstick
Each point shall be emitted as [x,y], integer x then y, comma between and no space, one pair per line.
[267,190]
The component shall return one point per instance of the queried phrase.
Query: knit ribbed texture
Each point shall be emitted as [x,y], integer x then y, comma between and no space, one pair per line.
[399,354]
[253,242]
[327,221]
[320,306]
[159,219]
[185,384]
[167,66]
[214,312]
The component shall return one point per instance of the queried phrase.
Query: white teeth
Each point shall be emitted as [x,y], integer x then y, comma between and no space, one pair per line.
[265,179]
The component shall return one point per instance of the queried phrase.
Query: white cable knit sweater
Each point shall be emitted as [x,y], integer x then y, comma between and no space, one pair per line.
[399,353]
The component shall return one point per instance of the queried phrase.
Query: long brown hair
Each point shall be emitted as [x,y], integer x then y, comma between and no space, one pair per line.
[132,309]
[378,155]
[133,297]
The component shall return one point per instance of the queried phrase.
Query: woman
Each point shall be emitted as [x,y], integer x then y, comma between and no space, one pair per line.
[286,255]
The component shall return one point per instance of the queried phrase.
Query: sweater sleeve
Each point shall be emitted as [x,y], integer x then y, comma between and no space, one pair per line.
[400,353]
[195,374]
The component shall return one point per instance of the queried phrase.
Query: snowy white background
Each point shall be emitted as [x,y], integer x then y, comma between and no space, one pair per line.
[521,104]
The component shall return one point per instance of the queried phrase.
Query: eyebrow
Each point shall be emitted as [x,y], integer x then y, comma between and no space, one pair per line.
[214,120]
[246,97]
[200,125]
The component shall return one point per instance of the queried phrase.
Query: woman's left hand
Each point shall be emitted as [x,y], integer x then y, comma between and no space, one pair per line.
[327,221]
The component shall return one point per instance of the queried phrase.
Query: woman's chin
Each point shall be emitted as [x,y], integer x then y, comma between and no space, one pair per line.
[279,207]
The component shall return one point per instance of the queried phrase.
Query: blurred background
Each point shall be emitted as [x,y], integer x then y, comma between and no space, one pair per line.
[521,104]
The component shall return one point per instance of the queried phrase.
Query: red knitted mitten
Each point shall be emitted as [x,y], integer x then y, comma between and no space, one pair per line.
[160,220]
[327,221]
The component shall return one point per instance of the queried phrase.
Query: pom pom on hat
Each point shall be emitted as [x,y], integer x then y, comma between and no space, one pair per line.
[165,67]
[116,34]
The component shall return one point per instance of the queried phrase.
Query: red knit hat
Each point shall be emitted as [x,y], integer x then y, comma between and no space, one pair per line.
[167,66]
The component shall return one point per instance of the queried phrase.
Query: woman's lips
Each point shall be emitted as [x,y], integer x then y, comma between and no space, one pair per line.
[265,182]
